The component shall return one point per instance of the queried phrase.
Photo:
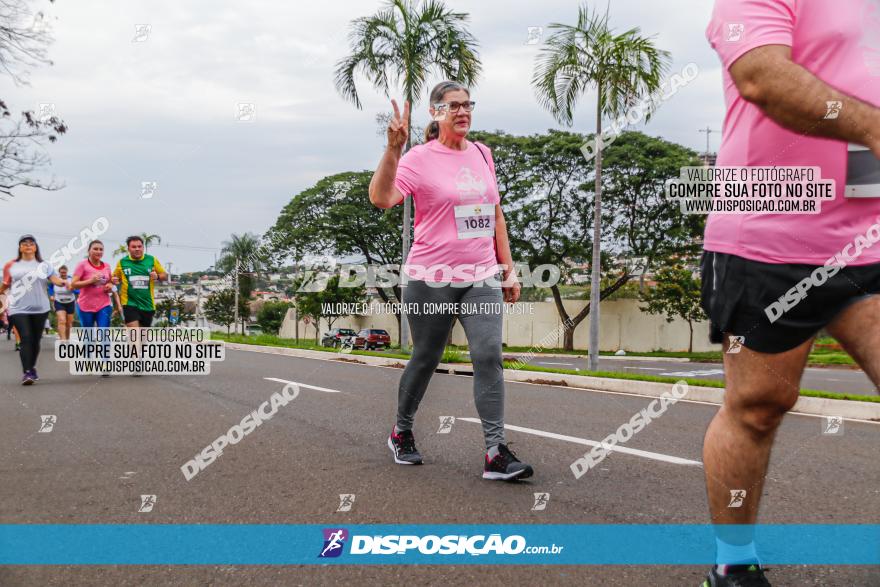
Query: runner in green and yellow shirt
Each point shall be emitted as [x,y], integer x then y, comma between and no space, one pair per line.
[136,274]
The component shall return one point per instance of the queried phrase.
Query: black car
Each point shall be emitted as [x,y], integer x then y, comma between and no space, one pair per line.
[334,336]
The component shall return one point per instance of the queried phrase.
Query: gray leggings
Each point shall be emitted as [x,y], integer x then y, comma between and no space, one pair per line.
[482,321]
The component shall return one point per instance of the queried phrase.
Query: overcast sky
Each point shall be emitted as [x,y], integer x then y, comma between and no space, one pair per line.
[163,109]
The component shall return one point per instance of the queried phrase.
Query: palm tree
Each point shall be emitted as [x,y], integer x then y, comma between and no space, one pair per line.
[148,240]
[401,45]
[623,68]
[243,250]
[242,256]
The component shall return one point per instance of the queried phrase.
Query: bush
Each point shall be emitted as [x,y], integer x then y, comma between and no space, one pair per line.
[271,316]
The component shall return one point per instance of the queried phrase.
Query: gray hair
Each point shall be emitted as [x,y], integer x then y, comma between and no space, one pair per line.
[432,131]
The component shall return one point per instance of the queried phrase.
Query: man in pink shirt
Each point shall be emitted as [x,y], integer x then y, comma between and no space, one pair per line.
[802,88]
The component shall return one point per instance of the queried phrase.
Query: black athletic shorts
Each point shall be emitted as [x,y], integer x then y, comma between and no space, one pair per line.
[776,307]
[133,314]
[68,307]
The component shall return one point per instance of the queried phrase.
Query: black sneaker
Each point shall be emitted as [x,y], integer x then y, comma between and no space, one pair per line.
[505,466]
[403,445]
[738,576]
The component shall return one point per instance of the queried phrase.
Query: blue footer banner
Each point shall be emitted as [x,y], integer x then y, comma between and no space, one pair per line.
[519,544]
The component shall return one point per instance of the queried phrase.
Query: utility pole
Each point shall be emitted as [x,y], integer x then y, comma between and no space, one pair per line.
[198,301]
[169,272]
[708,130]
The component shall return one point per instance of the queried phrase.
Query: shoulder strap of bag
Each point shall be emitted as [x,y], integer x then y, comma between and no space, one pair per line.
[477,145]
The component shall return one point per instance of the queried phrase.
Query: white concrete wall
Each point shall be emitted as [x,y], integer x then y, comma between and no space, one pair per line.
[623,326]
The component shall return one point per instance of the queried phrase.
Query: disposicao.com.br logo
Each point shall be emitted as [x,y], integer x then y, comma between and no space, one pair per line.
[451,544]
[334,542]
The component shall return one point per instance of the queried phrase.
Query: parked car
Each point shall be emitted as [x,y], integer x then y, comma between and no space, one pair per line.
[334,336]
[372,338]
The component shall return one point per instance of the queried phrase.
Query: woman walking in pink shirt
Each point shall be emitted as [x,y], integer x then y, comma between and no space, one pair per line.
[460,240]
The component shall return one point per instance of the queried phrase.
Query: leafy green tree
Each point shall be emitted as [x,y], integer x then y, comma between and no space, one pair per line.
[541,180]
[545,185]
[320,305]
[402,45]
[271,316]
[545,182]
[677,295]
[623,68]
[164,307]
[220,307]
[641,223]
[334,217]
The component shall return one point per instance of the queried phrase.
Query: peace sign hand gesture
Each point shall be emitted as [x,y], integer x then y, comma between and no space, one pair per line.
[398,127]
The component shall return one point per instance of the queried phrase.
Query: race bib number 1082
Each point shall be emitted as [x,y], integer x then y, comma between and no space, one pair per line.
[475,220]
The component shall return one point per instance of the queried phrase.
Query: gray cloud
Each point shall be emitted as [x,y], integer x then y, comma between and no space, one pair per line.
[163,110]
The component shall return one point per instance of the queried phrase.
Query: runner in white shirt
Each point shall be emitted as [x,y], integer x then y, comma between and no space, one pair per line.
[64,300]
[26,278]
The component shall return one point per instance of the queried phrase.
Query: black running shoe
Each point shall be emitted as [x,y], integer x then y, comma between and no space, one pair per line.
[403,445]
[505,466]
[738,576]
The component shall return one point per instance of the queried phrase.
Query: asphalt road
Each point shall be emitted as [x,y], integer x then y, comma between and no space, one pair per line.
[841,380]
[120,437]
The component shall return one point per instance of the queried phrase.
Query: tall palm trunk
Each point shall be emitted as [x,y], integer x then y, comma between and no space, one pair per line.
[407,214]
[597,248]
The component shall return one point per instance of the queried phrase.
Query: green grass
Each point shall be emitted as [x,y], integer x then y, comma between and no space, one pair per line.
[452,354]
[818,357]
[690,381]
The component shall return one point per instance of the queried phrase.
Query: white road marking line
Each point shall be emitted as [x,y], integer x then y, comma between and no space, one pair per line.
[315,387]
[622,449]
[645,368]
[558,388]
[549,363]
[696,373]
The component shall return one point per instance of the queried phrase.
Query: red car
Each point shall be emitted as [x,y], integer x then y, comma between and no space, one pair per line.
[372,338]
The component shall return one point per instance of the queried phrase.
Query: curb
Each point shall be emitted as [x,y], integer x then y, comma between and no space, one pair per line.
[602,357]
[813,406]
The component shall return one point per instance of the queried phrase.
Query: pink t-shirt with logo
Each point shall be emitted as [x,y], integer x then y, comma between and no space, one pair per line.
[838,42]
[92,297]
[455,193]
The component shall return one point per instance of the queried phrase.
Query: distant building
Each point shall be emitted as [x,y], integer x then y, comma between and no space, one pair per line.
[269,296]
